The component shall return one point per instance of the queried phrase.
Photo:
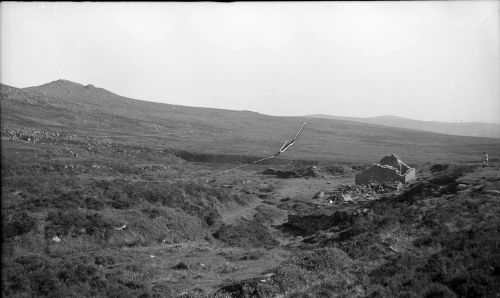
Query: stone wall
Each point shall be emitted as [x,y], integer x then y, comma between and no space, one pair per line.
[390,169]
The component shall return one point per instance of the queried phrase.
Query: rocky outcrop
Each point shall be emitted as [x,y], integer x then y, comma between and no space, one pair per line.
[390,169]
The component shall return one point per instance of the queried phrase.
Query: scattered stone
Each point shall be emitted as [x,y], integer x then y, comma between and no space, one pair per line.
[462,186]
[121,228]
[347,198]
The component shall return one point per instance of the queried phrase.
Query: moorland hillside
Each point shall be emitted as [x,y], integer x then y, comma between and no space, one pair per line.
[87,111]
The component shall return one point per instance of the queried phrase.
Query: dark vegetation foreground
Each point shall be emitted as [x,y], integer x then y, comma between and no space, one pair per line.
[77,226]
[85,215]
[438,238]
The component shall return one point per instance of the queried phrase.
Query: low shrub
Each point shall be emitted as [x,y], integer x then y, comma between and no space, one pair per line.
[322,259]
[336,169]
[30,276]
[119,200]
[162,290]
[94,203]
[153,212]
[75,223]
[305,225]
[69,200]
[18,224]
[77,273]
[323,289]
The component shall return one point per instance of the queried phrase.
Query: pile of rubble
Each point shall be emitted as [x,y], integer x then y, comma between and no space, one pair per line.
[353,193]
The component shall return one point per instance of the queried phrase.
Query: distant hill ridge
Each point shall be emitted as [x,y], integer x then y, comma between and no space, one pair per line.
[79,93]
[86,110]
[474,129]
[94,95]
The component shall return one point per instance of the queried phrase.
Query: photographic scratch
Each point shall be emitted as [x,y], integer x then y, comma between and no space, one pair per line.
[484,17]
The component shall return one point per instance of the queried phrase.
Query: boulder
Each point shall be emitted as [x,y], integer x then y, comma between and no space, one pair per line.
[390,169]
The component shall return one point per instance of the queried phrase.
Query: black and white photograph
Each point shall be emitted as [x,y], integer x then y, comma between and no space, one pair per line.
[250,149]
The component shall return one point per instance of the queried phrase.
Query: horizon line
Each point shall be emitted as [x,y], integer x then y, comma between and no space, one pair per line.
[316,115]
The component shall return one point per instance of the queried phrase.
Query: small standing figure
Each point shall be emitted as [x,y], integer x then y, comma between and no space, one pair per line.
[399,186]
[485,159]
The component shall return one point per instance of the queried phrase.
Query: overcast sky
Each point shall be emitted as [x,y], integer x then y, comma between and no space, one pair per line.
[422,60]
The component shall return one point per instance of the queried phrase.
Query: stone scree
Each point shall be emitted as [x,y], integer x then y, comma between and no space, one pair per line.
[390,169]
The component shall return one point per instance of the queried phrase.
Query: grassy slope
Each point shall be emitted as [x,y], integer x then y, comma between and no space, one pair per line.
[86,110]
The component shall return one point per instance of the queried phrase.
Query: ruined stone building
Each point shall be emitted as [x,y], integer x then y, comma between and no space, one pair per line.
[390,169]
